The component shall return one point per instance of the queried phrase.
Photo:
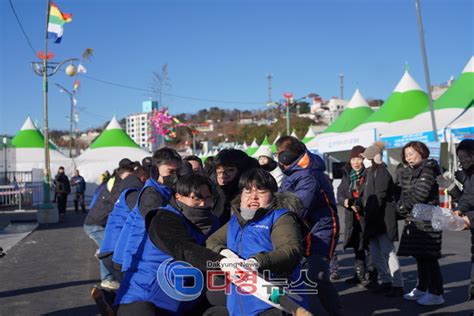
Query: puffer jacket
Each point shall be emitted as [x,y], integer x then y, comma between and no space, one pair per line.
[306,179]
[466,204]
[418,185]
[353,227]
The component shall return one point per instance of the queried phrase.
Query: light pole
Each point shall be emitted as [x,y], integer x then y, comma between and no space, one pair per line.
[425,66]
[47,69]
[290,101]
[5,152]
[71,98]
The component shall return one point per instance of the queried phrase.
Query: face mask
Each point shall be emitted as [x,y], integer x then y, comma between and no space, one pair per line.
[269,166]
[367,163]
[247,213]
[201,216]
[170,180]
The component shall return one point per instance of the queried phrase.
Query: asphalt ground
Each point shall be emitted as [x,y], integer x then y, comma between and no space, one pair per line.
[52,270]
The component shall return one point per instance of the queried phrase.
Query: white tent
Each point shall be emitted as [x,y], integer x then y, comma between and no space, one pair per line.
[27,151]
[264,146]
[112,145]
[406,101]
[451,109]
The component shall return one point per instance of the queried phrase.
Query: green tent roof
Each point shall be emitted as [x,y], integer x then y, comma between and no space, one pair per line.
[459,95]
[113,136]
[349,119]
[356,113]
[406,101]
[265,141]
[252,149]
[29,137]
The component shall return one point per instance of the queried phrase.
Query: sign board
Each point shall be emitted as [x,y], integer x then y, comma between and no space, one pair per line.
[435,150]
[401,140]
[459,134]
[342,141]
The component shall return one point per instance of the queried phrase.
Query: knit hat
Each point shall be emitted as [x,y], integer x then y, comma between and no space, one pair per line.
[266,152]
[356,151]
[374,152]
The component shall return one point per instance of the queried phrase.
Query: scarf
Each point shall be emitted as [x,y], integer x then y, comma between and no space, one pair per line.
[356,179]
[200,216]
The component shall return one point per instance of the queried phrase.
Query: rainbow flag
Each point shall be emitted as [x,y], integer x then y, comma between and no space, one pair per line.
[56,21]
[76,85]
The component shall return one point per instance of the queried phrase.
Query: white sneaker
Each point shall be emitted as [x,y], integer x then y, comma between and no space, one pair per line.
[431,299]
[111,285]
[414,295]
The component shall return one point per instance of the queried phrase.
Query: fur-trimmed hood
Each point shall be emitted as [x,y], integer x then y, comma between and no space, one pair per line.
[281,200]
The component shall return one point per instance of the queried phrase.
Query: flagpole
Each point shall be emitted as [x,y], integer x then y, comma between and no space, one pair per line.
[427,73]
[47,168]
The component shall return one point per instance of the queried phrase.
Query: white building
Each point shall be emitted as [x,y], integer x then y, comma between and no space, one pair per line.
[138,126]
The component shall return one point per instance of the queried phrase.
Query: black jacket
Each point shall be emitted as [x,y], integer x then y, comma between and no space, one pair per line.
[418,185]
[466,204]
[353,228]
[167,232]
[61,184]
[378,202]
[99,213]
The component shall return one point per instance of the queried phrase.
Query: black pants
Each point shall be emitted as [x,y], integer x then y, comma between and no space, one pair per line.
[79,199]
[62,201]
[109,264]
[429,275]
[140,308]
[318,272]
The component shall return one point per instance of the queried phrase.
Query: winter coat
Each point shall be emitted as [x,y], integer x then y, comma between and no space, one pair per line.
[378,204]
[170,237]
[353,228]
[286,235]
[99,213]
[306,179]
[61,184]
[79,183]
[418,185]
[466,205]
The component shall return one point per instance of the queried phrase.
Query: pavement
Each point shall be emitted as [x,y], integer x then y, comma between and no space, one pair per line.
[52,270]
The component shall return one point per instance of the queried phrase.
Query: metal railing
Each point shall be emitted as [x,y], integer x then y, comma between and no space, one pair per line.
[12,177]
[23,194]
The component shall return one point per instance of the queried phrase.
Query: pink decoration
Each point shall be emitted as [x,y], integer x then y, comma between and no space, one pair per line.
[164,124]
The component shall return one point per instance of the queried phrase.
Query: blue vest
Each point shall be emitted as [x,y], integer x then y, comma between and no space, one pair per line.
[140,281]
[133,234]
[253,238]
[115,222]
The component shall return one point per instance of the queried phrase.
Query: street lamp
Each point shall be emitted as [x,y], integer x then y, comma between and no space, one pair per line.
[71,98]
[46,69]
[290,101]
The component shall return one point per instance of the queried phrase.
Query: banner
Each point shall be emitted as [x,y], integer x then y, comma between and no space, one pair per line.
[341,142]
[400,141]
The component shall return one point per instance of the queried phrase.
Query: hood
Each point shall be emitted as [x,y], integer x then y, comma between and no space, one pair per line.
[307,161]
[281,200]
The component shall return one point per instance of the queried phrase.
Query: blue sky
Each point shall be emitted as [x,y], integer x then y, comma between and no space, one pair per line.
[223,50]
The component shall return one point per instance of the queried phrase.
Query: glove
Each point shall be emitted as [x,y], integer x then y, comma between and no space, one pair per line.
[230,265]
[228,253]
[251,264]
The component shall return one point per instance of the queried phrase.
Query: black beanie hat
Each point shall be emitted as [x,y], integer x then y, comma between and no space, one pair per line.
[356,151]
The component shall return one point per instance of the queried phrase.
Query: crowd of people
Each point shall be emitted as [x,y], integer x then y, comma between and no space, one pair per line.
[275,216]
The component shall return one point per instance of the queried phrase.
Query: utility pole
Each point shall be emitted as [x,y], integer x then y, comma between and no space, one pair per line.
[427,72]
[341,77]
[270,101]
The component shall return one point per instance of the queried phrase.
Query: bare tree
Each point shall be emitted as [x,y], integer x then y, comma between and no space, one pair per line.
[160,83]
